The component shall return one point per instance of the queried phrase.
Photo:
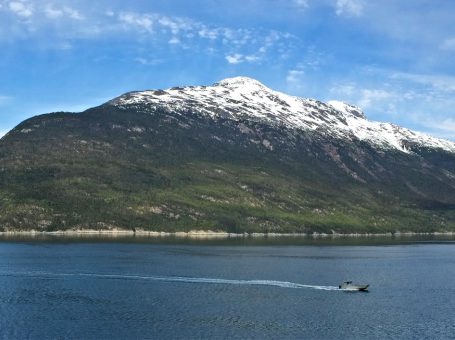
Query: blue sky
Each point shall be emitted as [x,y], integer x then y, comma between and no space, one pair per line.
[394,59]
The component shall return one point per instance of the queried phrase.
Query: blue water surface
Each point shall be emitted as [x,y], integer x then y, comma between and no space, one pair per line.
[62,288]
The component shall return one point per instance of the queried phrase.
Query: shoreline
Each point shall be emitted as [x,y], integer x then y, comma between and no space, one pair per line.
[209,234]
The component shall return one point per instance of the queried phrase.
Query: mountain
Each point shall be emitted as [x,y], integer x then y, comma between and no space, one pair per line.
[235,156]
[244,98]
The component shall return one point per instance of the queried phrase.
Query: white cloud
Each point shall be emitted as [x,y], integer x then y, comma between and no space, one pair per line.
[345,90]
[379,99]
[294,76]
[301,4]
[176,24]
[370,97]
[448,44]
[438,82]
[437,126]
[309,65]
[351,8]
[252,58]
[64,46]
[399,96]
[72,13]
[3,132]
[234,58]
[295,80]
[148,62]
[52,13]
[445,125]
[174,40]
[238,45]
[4,99]
[238,58]
[143,22]
[157,23]
[207,33]
[21,9]
[243,45]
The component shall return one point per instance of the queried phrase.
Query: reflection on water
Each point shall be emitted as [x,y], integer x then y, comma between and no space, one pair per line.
[227,239]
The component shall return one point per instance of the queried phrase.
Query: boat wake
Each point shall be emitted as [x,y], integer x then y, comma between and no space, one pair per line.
[183,279]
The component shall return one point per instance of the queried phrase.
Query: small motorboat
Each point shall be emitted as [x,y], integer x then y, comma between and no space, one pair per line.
[348,285]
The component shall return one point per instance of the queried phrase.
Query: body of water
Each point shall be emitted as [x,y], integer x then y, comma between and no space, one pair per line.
[286,288]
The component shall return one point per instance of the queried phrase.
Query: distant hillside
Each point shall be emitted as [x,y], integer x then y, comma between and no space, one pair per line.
[235,156]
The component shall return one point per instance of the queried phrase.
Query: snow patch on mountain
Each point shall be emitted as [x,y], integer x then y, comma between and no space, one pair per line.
[347,109]
[246,98]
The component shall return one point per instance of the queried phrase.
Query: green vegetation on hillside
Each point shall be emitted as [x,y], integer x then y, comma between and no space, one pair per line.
[107,169]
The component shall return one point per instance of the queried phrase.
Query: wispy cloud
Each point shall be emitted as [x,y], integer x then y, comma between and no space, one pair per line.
[422,102]
[298,78]
[157,23]
[370,97]
[22,9]
[46,23]
[351,8]
[447,125]
[441,83]
[294,76]
[235,58]
[52,12]
[414,29]
[448,44]
[241,45]
[302,4]
[344,90]
[143,22]
[4,99]
[148,62]
[174,41]
[411,40]
[238,58]
[437,126]
[367,98]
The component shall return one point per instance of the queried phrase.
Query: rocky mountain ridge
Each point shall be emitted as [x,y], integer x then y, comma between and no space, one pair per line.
[235,156]
[243,97]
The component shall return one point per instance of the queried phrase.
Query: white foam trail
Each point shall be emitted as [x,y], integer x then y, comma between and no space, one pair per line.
[282,284]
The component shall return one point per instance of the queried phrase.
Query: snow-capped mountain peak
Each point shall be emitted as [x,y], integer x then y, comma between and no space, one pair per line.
[347,109]
[246,98]
[241,82]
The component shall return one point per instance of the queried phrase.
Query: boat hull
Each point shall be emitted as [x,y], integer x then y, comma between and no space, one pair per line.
[353,287]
